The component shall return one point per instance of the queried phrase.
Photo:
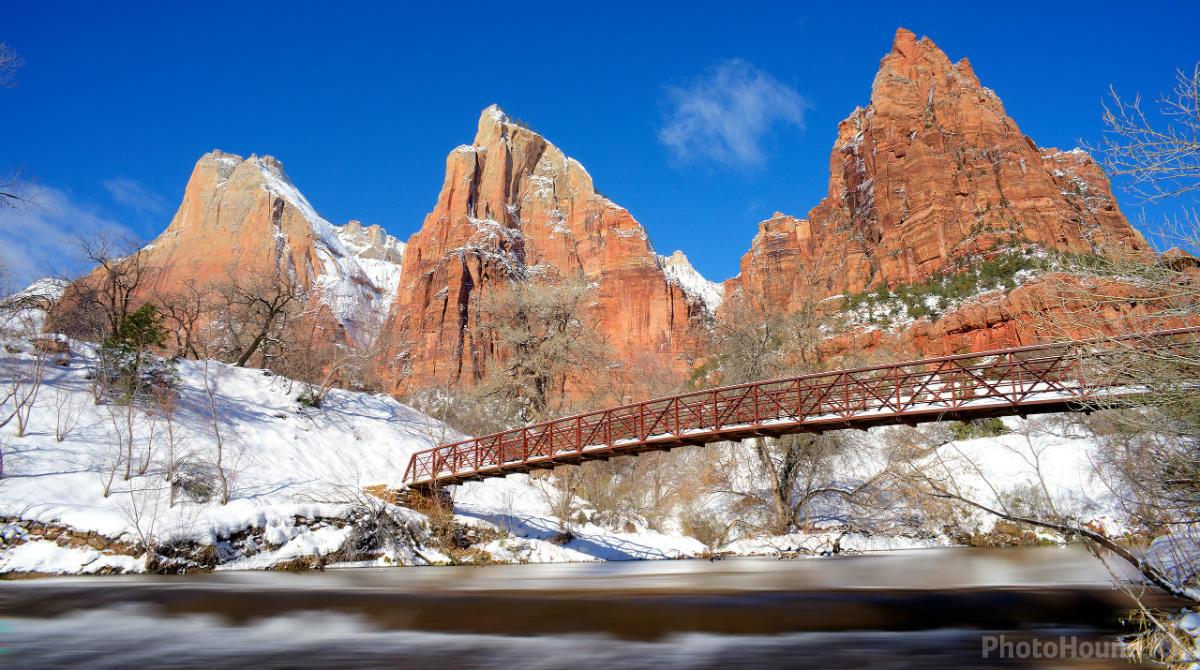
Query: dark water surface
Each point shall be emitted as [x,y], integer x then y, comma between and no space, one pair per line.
[918,609]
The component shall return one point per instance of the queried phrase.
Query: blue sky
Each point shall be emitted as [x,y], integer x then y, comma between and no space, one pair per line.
[362,103]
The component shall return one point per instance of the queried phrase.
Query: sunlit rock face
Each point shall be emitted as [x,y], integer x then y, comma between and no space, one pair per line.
[932,171]
[514,207]
[242,217]
[932,175]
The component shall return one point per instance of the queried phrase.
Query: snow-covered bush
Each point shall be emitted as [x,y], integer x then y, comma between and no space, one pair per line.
[945,289]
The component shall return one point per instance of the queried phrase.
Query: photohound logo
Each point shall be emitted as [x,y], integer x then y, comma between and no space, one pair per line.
[1063,646]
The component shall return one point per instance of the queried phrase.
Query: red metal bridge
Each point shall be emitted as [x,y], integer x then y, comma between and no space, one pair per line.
[1067,376]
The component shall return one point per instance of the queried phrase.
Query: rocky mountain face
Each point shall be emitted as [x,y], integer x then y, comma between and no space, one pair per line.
[931,173]
[514,206]
[931,176]
[241,217]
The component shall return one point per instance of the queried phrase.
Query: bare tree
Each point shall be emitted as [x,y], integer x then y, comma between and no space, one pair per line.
[67,411]
[115,451]
[1161,156]
[20,385]
[10,62]
[14,193]
[745,344]
[542,343]
[184,312]
[1151,459]
[323,357]
[97,305]
[706,527]
[210,394]
[947,475]
[560,488]
[123,419]
[787,475]
[142,511]
[165,402]
[252,312]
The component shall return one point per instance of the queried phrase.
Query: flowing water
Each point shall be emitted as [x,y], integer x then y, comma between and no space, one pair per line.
[937,608]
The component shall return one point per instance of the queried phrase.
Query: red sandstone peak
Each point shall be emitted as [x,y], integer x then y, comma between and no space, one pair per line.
[242,216]
[904,43]
[931,171]
[514,206]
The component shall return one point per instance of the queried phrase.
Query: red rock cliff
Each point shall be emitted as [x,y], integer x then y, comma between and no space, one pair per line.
[933,169]
[513,206]
[244,216]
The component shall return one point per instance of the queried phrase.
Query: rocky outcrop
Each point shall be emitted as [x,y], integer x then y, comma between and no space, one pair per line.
[932,175]
[513,207]
[679,271]
[931,172]
[1054,305]
[241,217]
[784,267]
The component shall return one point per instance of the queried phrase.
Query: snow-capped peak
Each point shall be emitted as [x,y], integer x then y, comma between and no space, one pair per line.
[46,289]
[496,114]
[360,267]
[679,271]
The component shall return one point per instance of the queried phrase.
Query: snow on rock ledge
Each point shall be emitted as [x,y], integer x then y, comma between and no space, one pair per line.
[680,272]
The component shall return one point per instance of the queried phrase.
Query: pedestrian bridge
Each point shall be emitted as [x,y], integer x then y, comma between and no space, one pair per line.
[1058,377]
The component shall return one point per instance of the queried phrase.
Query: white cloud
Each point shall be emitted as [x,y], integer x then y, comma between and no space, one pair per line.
[725,115]
[135,195]
[40,237]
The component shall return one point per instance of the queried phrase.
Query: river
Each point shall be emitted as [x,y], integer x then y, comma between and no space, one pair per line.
[921,609]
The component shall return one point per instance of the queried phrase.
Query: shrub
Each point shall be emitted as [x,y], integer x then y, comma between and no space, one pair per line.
[991,427]
[196,480]
[705,527]
[309,397]
[931,297]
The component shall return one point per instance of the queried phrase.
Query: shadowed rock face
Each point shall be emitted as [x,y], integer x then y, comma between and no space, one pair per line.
[933,170]
[514,207]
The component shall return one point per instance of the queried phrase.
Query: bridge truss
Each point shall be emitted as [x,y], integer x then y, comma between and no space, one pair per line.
[1067,376]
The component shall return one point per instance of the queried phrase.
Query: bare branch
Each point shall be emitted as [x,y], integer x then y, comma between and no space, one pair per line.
[1160,156]
[10,62]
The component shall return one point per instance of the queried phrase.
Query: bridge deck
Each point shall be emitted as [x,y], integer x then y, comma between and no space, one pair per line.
[1024,380]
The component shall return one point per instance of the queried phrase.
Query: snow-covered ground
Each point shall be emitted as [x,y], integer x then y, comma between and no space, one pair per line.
[519,508]
[297,473]
[283,461]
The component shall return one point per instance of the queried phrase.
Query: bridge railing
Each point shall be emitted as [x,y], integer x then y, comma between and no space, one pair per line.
[1074,371]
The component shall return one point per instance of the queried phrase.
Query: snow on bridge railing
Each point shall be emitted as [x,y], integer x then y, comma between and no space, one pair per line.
[1044,377]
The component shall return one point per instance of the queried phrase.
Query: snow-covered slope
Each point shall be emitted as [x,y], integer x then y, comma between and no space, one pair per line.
[25,310]
[282,460]
[288,465]
[360,267]
[679,271]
